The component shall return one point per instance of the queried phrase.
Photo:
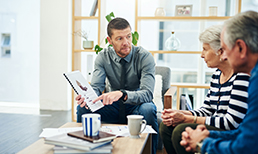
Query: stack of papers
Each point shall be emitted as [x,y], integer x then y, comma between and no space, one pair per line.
[75,143]
[103,150]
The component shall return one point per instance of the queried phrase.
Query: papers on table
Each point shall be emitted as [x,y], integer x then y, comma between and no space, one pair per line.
[149,130]
[124,131]
[117,130]
[48,132]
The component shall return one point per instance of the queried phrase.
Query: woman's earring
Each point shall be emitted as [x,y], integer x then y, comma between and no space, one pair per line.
[221,59]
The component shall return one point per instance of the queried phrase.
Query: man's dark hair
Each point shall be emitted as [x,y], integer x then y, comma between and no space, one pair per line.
[117,23]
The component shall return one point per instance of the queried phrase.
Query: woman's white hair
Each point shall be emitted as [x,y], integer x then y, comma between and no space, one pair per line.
[211,36]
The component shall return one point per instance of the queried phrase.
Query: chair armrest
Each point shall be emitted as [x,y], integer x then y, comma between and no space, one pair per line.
[168,97]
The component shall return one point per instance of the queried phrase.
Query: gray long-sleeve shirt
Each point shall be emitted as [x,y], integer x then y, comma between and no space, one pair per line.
[140,70]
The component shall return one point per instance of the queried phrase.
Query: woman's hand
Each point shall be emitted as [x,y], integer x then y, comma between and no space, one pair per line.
[172,117]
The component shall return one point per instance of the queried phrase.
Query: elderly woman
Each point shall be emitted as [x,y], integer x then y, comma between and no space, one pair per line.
[226,102]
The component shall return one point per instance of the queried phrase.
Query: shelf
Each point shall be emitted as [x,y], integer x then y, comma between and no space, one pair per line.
[85,17]
[179,52]
[190,85]
[184,18]
[152,52]
[85,50]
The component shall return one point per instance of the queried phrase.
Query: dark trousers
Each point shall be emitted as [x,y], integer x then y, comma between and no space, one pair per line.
[171,136]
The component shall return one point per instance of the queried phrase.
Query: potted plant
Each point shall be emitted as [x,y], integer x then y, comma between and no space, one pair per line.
[86,43]
[109,17]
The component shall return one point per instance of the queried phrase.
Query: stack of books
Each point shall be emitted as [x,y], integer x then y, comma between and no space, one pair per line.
[77,142]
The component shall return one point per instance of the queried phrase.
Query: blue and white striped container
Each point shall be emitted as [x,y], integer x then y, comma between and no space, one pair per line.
[91,124]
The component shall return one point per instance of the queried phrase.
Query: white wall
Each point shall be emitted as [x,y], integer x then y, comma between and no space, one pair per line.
[55,54]
[19,73]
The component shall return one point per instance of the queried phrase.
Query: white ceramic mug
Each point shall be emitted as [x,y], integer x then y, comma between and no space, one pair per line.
[91,124]
[135,123]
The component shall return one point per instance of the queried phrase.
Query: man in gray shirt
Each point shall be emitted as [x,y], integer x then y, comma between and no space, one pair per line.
[131,91]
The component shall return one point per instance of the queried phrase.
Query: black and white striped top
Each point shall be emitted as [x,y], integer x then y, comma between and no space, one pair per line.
[225,105]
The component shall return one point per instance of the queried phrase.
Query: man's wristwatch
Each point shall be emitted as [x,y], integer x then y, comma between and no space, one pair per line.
[123,96]
[199,146]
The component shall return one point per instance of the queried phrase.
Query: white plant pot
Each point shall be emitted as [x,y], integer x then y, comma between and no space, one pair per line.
[88,44]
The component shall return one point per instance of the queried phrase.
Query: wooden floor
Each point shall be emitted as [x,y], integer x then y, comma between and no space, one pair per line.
[18,131]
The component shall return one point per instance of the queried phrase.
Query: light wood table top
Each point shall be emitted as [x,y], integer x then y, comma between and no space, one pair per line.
[125,145]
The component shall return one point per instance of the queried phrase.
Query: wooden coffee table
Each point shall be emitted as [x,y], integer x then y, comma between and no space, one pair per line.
[125,145]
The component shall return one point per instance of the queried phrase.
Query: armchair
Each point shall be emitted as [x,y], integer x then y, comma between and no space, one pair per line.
[167,92]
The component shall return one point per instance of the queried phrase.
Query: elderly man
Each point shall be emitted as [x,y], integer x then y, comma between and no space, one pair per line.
[239,39]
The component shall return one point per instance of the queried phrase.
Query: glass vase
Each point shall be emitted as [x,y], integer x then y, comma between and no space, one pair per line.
[160,12]
[172,43]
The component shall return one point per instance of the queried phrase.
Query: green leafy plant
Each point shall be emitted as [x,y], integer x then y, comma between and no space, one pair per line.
[109,17]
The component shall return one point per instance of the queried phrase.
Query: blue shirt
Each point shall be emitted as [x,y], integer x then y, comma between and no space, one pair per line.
[245,138]
[140,74]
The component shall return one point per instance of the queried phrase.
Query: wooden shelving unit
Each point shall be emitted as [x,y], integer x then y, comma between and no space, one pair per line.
[139,18]
[85,18]
[84,50]
[175,52]
[173,18]
[76,40]
[166,18]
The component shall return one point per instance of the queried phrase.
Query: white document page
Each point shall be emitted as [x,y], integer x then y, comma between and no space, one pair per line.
[82,87]
[48,132]
[124,130]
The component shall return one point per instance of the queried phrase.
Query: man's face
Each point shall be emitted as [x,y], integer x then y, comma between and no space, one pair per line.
[121,41]
[232,55]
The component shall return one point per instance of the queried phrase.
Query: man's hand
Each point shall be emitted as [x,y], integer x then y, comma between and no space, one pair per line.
[109,98]
[172,117]
[191,137]
[80,100]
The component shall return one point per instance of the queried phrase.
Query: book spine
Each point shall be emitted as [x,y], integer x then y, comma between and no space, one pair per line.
[74,88]
[71,84]
[102,145]
[79,147]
